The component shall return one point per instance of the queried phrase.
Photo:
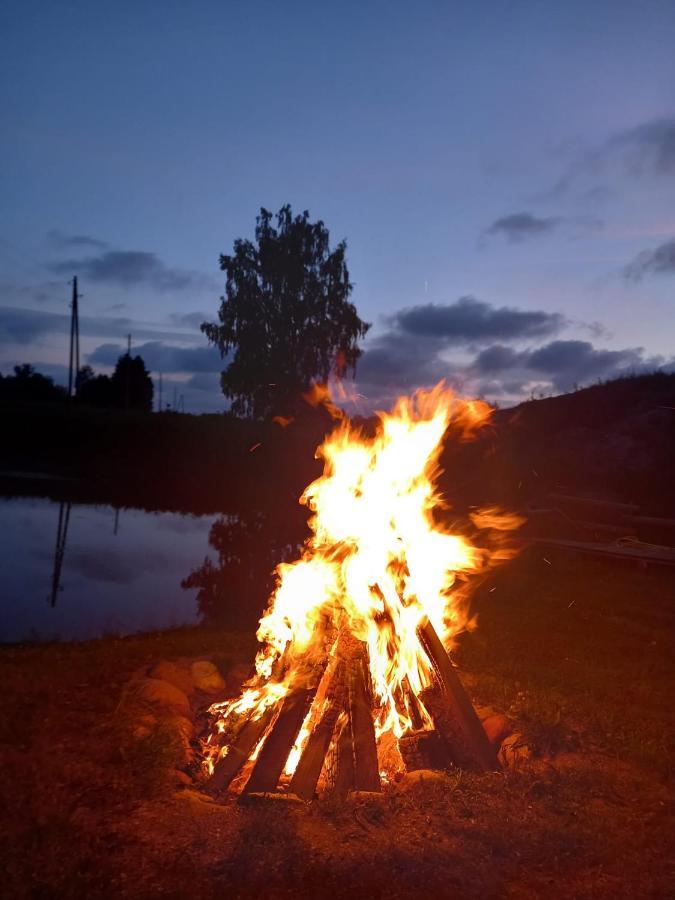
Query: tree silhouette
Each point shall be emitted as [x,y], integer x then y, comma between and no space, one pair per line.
[285,313]
[29,386]
[132,385]
[129,387]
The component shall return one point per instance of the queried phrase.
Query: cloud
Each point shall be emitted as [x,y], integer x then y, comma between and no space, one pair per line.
[161,357]
[562,362]
[412,351]
[61,240]
[189,320]
[470,321]
[24,326]
[660,261]
[129,268]
[401,359]
[522,225]
[42,292]
[647,149]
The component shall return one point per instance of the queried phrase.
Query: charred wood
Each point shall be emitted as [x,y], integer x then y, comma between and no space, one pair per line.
[280,740]
[366,770]
[451,709]
[229,765]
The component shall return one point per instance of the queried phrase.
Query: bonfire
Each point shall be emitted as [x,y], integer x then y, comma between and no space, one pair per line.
[353,684]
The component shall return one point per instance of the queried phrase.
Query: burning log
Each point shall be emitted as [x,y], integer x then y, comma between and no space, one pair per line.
[451,709]
[279,742]
[306,775]
[366,772]
[341,771]
[228,766]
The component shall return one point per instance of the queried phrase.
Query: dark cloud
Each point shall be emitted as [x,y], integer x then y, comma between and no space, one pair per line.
[562,363]
[161,357]
[23,326]
[660,261]
[61,240]
[522,225]
[129,268]
[472,321]
[496,359]
[647,149]
[401,359]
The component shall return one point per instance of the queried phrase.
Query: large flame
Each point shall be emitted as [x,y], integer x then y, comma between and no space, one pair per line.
[377,563]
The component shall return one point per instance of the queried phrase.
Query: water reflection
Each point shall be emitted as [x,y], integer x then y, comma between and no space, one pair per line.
[104,572]
[232,592]
[59,552]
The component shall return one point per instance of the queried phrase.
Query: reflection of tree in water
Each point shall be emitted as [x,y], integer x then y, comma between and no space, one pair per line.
[234,591]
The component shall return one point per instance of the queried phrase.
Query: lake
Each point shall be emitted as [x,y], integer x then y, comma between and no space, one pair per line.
[78,571]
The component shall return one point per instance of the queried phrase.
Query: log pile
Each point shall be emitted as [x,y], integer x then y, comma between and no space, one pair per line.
[334,702]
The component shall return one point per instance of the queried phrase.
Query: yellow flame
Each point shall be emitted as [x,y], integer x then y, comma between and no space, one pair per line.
[377,562]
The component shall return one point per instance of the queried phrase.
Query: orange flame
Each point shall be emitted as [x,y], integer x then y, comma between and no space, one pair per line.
[377,562]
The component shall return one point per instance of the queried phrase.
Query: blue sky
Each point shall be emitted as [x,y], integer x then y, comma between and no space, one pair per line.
[486,162]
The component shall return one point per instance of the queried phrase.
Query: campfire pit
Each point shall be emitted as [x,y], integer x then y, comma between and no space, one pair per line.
[354,685]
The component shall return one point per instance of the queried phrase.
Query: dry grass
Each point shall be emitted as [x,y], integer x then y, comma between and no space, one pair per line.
[580,654]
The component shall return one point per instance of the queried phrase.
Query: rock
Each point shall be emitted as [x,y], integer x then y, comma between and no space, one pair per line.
[144,727]
[412,780]
[181,777]
[497,728]
[177,674]
[181,726]
[206,677]
[180,730]
[161,694]
[514,751]
[237,675]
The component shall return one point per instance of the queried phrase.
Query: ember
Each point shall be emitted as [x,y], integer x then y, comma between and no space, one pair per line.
[353,683]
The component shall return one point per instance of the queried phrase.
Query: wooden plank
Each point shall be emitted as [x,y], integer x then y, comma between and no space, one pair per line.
[451,709]
[279,742]
[412,705]
[228,766]
[305,778]
[306,775]
[662,556]
[366,769]
[609,511]
[343,780]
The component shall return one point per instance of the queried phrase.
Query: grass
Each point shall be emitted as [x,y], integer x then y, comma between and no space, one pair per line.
[580,654]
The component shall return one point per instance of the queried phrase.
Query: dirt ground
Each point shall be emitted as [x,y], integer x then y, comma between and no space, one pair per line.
[579,654]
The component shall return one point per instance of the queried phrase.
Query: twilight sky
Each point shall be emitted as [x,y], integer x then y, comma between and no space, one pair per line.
[503,172]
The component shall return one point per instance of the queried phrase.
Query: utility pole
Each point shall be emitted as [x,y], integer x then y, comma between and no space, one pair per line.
[74,359]
[159,409]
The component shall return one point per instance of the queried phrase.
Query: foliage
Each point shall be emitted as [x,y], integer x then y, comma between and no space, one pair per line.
[129,387]
[29,386]
[286,314]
